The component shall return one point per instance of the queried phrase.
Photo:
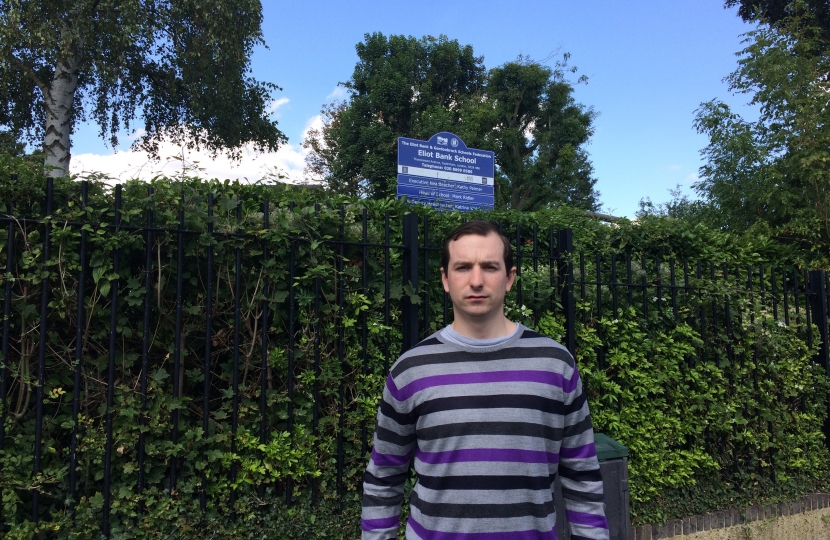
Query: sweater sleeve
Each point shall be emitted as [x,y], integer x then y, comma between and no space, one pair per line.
[582,490]
[383,482]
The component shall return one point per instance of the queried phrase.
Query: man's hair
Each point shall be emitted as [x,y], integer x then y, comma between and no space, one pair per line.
[479,228]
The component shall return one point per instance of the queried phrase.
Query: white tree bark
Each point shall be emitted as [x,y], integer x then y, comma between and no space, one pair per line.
[58,101]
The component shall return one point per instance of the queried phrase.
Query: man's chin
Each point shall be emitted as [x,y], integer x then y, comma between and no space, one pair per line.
[477,312]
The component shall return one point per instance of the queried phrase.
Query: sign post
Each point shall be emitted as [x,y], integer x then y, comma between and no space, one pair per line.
[443,173]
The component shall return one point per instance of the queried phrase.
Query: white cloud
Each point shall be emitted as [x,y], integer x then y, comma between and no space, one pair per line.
[691,179]
[276,104]
[338,93]
[289,160]
[315,122]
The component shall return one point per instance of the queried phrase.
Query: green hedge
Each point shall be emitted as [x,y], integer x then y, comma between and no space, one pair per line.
[704,426]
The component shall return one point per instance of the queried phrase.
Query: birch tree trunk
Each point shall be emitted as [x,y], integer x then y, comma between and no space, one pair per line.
[58,104]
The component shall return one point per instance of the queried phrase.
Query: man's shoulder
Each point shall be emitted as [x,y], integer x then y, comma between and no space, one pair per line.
[430,345]
[543,346]
[528,337]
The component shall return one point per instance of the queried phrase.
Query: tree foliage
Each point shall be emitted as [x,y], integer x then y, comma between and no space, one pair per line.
[781,11]
[538,133]
[774,172]
[183,67]
[524,111]
[10,145]
[14,148]
[401,86]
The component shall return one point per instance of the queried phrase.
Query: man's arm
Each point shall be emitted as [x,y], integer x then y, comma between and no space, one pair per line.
[383,482]
[579,469]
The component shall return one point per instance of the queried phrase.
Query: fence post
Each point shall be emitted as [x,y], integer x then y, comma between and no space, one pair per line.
[818,305]
[564,247]
[4,352]
[410,278]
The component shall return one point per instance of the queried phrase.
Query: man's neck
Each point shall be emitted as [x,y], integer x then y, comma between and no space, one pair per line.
[484,330]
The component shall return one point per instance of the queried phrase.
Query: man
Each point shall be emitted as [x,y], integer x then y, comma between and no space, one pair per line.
[491,412]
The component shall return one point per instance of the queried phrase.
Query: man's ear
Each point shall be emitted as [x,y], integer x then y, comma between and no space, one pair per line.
[511,277]
[444,281]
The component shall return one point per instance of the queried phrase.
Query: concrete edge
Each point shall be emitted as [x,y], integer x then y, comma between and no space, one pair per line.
[728,518]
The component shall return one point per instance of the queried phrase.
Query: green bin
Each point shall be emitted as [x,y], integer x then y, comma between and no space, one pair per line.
[613,464]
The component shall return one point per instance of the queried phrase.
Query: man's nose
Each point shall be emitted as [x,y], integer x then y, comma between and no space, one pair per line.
[476,277]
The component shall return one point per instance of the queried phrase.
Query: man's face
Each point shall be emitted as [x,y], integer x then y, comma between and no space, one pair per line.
[476,278]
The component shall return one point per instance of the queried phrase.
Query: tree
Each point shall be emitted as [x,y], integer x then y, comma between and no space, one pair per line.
[774,171]
[538,133]
[182,66]
[813,15]
[780,11]
[401,86]
[11,147]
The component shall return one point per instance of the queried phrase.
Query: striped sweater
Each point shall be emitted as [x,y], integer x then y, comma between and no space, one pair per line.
[489,429]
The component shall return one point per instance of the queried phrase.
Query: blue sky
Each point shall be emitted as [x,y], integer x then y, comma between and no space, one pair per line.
[650,64]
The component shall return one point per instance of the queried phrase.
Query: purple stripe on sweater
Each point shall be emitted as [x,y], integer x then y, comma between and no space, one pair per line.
[533,376]
[427,534]
[487,454]
[390,385]
[379,523]
[579,452]
[388,460]
[583,518]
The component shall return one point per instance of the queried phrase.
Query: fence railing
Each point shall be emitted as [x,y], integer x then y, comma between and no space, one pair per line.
[183,340]
[794,295]
[734,309]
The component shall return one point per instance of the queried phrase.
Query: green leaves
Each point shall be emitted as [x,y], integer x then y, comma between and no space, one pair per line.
[97,501]
[159,375]
[401,86]
[771,174]
[537,131]
[753,406]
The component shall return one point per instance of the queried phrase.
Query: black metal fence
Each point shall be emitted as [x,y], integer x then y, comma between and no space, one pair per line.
[735,309]
[275,318]
[273,297]
[793,295]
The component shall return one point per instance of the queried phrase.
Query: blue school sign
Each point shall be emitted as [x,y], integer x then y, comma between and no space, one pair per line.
[443,173]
